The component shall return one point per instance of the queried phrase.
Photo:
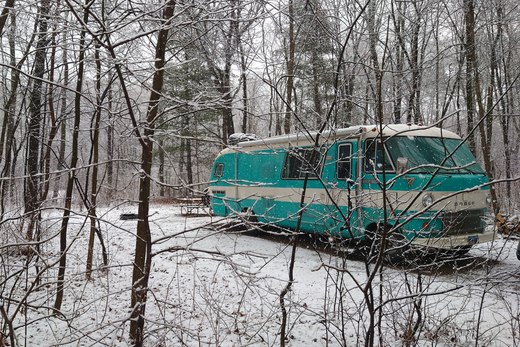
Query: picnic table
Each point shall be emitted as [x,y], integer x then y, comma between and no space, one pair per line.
[191,206]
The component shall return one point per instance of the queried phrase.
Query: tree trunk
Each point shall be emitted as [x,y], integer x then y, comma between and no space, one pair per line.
[291,64]
[94,163]
[316,90]
[245,111]
[110,142]
[63,118]
[143,246]
[379,117]
[469,19]
[243,71]
[228,127]
[399,59]
[162,190]
[12,50]
[506,105]
[73,164]
[189,162]
[414,113]
[47,149]
[5,13]
[6,141]
[32,182]
[473,80]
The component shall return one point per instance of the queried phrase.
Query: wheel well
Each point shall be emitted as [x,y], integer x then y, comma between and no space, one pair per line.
[249,214]
[375,226]
[372,227]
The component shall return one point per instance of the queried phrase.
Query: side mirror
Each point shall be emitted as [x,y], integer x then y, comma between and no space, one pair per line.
[402,164]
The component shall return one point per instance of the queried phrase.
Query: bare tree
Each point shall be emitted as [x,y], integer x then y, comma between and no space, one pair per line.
[291,63]
[143,250]
[72,166]
[5,14]
[33,190]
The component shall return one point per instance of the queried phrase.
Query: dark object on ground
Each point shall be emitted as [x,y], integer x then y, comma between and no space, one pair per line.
[518,250]
[128,216]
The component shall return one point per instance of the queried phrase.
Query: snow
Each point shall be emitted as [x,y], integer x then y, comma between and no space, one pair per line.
[210,287]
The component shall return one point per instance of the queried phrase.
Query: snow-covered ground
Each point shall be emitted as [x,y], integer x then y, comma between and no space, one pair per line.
[210,287]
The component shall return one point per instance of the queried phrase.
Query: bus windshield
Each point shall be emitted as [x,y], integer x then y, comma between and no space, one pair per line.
[426,154]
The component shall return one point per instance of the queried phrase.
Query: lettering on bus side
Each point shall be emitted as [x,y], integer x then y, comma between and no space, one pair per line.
[464,203]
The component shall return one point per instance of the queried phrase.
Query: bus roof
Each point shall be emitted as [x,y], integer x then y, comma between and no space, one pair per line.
[367,131]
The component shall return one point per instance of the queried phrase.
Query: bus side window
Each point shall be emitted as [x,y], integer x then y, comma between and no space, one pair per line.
[301,161]
[370,155]
[375,154]
[219,170]
[344,163]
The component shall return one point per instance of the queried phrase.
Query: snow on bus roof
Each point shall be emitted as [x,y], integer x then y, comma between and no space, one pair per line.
[368,131]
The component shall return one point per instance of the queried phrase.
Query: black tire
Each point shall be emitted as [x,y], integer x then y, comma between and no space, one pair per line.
[518,250]
[460,251]
[206,199]
[249,215]
[452,254]
[396,248]
[250,219]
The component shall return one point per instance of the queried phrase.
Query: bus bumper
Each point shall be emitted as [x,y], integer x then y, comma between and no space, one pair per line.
[455,241]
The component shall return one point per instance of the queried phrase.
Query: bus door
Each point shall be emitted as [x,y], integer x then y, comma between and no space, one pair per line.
[345,187]
[378,168]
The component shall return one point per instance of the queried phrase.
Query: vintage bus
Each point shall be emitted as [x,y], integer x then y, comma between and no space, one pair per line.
[420,182]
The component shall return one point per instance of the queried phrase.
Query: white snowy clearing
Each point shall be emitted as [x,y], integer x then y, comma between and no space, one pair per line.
[215,288]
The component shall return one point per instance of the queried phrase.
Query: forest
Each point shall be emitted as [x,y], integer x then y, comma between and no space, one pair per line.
[118,107]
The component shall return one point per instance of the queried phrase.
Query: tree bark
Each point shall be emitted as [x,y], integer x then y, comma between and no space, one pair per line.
[5,13]
[474,93]
[32,191]
[143,246]
[162,180]
[245,111]
[73,164]
[94,163]
[6,140]
[47,150]
[469,19]
[414,112]
[291,64]
[399,59]
[110,142]
[63,117]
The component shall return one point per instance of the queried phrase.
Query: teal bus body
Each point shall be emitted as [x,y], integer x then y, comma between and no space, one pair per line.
[436,194]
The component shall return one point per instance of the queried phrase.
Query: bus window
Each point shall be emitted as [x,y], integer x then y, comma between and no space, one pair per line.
[219,170]
[300,161]
[344,163]
[375,154]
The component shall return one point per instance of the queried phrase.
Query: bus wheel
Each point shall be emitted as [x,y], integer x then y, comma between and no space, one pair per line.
[397,249]
[250,220]
[248,215]
[453,253]
[460,251]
